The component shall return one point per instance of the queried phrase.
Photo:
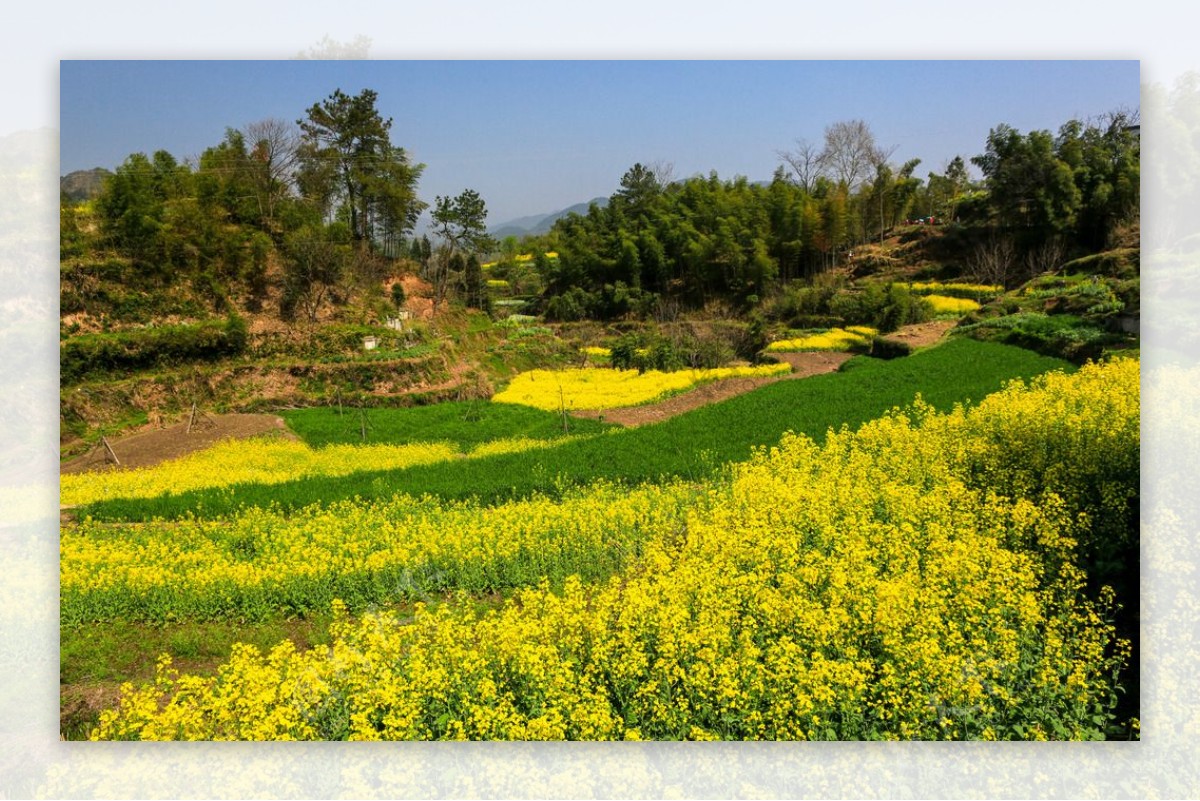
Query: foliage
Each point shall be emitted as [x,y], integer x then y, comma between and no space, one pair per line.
[347,162]
[317,263]
[884,307]
[466,424]
[461,225]
[475,291]
[1062,335]
[887,348]
[1083,183]
[91,355]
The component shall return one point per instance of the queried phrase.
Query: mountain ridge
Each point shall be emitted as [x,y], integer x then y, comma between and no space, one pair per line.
[541,223]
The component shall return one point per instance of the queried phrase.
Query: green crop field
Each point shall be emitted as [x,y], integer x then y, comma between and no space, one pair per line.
[692,445]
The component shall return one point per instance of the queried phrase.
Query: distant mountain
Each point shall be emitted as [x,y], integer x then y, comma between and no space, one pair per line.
[82,184]
[541,223]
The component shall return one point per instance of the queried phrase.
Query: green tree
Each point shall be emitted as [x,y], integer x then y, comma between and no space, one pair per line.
[475,288]
[639,188]
[1104,157]
[132,207]
[461,225]
[1030,188]
[224,179]
[347,163]
[315,263]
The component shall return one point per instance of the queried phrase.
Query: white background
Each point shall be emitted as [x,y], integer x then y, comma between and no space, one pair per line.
[33,763]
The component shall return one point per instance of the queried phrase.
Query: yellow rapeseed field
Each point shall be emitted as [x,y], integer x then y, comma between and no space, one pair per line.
[602,388]
[270,461]
[258,460]
[263,560]
[914,579]
[836,339]
[944,304]
[956,289]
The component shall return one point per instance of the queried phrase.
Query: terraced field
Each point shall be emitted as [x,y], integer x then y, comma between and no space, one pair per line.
[812,559]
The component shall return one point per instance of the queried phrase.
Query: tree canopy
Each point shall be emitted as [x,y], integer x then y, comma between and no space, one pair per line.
[349,167]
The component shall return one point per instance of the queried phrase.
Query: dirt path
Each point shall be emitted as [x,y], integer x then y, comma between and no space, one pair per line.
[803,365]
[160,444]
[921,335]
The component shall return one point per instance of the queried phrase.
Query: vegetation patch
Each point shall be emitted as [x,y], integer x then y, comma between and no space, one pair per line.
[465,424]
[89,355]
[691,445]
[607,389]
[837,339]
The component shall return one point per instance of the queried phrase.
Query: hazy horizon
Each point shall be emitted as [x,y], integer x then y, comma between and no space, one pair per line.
[533,137]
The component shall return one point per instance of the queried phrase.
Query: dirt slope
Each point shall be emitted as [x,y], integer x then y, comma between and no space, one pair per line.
[160,444]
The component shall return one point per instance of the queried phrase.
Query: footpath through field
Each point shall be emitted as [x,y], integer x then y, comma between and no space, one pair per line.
[803,365]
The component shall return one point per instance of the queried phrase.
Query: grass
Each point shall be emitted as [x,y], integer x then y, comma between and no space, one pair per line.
[692,445]
[94,660]
[465,423]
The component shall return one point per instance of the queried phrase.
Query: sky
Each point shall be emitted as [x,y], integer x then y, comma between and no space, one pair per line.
[533,137]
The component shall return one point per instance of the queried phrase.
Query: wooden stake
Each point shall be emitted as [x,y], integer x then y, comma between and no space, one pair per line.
[111,454]
[192,419]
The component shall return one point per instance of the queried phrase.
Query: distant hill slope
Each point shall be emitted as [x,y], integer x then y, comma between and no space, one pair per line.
[82,184]
[541,223]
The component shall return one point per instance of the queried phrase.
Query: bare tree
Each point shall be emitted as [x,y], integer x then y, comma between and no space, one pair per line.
[1045,258]
[851,152]
[993,261]
[664,172]
[807,163]
[272,150]
[329,49]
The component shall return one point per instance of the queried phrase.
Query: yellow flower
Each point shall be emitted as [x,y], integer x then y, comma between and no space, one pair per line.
[602,388]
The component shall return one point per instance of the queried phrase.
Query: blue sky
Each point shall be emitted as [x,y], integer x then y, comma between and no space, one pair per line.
[536,136]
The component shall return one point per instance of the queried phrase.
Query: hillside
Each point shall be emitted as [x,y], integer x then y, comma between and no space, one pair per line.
[237,285]
[83,184]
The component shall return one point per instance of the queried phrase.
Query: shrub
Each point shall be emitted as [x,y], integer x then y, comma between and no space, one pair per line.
[884,348]
[882,306]
[92,354]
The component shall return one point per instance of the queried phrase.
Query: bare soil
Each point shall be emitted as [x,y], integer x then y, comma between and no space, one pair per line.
[921,335]
[158,444]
